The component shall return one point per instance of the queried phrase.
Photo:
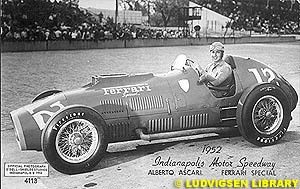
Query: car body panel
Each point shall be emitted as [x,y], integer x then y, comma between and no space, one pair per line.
[253,72]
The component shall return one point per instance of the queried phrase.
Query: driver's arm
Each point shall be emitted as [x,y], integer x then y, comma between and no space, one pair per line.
[198,68]
[222,75]
[206,76]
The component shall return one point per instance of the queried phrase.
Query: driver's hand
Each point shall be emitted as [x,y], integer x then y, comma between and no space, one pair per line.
[202,77]
[201,71]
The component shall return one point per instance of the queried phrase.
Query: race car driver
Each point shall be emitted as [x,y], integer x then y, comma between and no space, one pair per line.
[218,71]
[217,74]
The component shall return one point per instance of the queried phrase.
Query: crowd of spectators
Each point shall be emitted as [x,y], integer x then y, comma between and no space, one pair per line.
[18,25]
[88,32]
[264,16]
[40,20]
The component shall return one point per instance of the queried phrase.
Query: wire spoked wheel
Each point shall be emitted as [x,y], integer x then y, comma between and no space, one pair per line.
[76,141]
[267,114]
[263,114]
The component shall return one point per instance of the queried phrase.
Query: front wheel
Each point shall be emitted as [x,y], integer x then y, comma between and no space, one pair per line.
[263,114]
[74,141]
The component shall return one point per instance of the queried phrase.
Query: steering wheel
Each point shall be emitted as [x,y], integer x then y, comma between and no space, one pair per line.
[197,68]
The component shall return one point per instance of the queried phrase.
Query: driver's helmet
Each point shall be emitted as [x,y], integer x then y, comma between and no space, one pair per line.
[217,46]
[180,63]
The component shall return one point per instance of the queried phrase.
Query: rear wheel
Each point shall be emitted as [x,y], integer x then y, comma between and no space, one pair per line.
[74,141]
[263,114]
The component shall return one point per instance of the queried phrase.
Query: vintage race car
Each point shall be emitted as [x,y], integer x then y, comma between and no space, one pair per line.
[73,128]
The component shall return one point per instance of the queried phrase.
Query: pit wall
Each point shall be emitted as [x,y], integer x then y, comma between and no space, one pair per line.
[8,46]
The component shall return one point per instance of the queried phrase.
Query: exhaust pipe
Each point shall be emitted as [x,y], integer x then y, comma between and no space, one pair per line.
[158,136]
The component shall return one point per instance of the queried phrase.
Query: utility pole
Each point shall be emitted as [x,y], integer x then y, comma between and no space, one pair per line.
[148,6]
[116,12]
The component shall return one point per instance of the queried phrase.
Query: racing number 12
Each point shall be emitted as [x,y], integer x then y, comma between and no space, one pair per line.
[269,74]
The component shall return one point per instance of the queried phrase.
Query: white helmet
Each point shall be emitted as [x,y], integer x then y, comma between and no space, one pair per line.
[217,46]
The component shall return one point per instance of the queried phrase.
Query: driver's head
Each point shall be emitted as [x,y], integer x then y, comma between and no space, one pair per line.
[216,50]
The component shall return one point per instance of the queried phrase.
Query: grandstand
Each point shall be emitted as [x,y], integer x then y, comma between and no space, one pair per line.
[262,16]
[37,20]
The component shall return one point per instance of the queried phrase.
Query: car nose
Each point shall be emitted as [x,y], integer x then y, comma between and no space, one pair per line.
[28,134]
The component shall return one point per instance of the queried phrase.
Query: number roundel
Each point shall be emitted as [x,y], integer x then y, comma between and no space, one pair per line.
[266,74]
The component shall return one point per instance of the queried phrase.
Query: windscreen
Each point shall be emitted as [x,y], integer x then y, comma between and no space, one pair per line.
[179,63]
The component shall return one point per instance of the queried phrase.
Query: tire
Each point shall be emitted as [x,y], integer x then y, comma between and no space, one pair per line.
[263,114]
[73,140]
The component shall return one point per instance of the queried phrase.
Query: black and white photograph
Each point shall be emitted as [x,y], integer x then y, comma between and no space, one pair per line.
[150,94]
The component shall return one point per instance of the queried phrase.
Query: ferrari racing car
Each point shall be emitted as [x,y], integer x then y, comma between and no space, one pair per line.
[73,128]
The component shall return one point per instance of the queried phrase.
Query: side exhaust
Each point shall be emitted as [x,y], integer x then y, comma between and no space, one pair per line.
[158,136]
